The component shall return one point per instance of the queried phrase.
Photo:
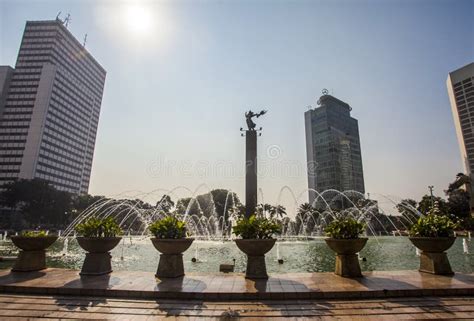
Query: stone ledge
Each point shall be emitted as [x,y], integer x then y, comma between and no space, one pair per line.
[219,287]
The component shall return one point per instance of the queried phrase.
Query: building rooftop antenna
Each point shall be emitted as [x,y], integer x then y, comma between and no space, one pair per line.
[85,40]
[57,16]
[67,20]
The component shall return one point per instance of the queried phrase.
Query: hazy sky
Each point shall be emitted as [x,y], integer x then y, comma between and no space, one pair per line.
[182,73]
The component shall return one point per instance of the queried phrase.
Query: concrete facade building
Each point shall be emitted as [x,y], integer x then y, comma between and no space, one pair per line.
[333,148]
[460,85]
[51,109]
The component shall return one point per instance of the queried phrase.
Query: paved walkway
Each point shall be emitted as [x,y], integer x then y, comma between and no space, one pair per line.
[233,286]
[64,307]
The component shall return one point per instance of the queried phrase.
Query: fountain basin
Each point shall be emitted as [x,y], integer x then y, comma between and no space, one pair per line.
[171,246]
[98,244]
[255,247]
[433,244]
[346,246]
[37,243]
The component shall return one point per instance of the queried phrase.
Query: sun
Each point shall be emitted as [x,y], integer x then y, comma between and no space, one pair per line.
[138,18]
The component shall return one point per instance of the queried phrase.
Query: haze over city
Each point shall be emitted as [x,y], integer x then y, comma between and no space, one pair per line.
[181,75]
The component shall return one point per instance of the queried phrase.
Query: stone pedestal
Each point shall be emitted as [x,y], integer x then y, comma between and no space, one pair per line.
[250,172]
[435,263]
[256,267]
[170,266]
[30,261]
[97,264]
[347,265]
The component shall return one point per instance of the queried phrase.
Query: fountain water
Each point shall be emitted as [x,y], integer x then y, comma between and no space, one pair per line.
[465,247]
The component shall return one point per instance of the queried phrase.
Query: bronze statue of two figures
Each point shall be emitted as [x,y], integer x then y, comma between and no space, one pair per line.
[249,115]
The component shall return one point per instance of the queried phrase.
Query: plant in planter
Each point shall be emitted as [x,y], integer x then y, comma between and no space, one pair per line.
[257,239]
[345,241]
[171,241]
[98,237]
[32,244]
[433,234]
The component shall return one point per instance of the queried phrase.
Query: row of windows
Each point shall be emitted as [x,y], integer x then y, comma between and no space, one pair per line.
[15,124]
[13,131]
[24,76]
[17,117]
[21,97]
[66,102]
[18,83]
[19,110]
[10,168]
[20,104]
[9,173]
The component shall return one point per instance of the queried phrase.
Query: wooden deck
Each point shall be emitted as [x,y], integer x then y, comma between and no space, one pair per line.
[20,307]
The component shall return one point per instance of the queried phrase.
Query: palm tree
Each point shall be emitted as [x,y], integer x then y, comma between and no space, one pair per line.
[305,208]
[280,211]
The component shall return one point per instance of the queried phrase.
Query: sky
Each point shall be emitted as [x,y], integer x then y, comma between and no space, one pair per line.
[181,74]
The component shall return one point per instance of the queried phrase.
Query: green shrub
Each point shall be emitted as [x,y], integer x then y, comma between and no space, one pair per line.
[168,228]
[433,226]
[345,228]
[40,233]
[256,228]
[97,227]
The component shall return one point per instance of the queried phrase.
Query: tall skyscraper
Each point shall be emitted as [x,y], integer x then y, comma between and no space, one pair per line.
[460,85]
[333,147]
[51,109]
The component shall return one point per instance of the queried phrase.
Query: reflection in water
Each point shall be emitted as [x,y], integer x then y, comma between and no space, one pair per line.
[383,253]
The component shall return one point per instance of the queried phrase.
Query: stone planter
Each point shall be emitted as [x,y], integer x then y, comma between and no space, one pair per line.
[255,250]
[347,260]
[433,258]
[98,258]
[32,256]
[171,257]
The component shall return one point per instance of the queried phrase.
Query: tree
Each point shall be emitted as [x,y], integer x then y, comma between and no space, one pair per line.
[426,203]
[458,203]
[165,204]
[38,201]
[83,201]
[280,211]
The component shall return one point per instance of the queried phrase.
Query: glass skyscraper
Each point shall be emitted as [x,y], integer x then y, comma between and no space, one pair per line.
[333,148]
[49,112]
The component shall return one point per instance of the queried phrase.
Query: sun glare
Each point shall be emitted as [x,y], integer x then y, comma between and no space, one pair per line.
[138,18]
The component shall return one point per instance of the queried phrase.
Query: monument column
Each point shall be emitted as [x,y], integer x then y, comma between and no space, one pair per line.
[251,162]
[250,172]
